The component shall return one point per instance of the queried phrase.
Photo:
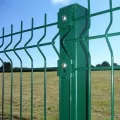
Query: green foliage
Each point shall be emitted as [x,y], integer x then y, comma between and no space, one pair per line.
[7,66]
[105,63]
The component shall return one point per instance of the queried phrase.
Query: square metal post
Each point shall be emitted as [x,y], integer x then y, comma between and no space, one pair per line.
[73,77]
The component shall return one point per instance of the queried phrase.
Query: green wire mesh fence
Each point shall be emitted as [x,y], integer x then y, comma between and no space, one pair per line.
[38,45]
[21,70]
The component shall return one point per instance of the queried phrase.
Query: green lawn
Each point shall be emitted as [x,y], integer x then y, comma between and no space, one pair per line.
[100,95]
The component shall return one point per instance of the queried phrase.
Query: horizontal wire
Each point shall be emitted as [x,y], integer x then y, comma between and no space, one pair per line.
[98,68]
[103,35]
[35,28]
[55,23]
[87,38]
[94,37]
[98,13]
[72,40]
[32,46]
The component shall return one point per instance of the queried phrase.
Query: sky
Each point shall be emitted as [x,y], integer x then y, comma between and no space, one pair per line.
[15,11]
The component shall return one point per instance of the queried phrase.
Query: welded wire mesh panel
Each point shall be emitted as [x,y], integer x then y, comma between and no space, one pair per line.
[32,93]
[25,92]
[106,35]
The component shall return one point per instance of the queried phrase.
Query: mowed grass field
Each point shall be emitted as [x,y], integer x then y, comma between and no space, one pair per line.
[101,94]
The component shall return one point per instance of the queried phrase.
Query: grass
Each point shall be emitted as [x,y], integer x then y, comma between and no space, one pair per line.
[100,95]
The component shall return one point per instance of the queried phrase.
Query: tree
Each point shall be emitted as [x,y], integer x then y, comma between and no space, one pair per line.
[115,64]
[105,63]
[98,65]
[92,66]
[7,65]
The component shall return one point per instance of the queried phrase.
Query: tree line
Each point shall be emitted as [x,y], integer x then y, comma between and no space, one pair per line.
[7,66]
[105,64]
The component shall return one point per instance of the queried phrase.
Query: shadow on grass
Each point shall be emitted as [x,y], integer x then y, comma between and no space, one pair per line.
[14,117]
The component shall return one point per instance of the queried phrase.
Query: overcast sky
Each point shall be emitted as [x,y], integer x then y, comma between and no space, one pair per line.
[13,11]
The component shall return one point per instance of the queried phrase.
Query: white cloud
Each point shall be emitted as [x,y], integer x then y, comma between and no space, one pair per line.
[61,2]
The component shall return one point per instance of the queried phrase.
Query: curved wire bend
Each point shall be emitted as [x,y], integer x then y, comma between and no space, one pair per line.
[18,44]
[53,44]
[2,39]
[9,45]
[45,22]
[112,60]
[28,43]
[85,48]
[62,42]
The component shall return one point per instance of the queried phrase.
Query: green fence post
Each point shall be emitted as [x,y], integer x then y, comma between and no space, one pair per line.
[72,65]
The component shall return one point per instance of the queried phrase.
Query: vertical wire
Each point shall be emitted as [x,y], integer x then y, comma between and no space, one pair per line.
[83,43]
[21,64]
[58,54]
[89,70]
[11,95]
[2,90]
[2,78]
[45,64]
[112,60]
[31,67]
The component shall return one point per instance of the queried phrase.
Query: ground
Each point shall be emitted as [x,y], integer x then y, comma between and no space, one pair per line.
[100,95]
